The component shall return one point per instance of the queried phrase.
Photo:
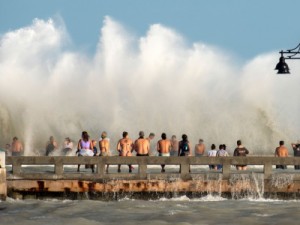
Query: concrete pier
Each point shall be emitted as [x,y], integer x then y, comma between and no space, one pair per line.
[64,181]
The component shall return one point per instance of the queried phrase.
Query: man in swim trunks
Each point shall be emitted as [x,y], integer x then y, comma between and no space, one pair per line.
[142,145]
[200,148]
[163,148]
[125,148]
[16,147]
[240,151]
[174,146]
[104,146]
[281,151]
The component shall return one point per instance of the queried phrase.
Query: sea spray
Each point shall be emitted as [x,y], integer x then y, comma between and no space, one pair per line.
[159,82]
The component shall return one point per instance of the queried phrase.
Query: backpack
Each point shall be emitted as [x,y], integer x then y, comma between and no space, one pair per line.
[184,147]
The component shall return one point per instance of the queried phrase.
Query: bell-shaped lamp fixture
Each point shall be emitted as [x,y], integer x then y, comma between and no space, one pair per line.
[282,67]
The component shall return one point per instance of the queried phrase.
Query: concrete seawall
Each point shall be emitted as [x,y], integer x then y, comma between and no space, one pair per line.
[23,179]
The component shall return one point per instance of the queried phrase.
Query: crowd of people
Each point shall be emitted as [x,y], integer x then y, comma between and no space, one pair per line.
[165,147]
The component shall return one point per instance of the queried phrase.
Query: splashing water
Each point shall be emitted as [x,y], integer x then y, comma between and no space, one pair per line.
[282,180]
[158,82]
[249,186]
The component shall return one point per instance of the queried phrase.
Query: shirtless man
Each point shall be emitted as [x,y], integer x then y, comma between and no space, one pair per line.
[163,148]
[142,145]
[104,147]
[281,151]
[16,147]
[200,148]
[174,146]
[125,148]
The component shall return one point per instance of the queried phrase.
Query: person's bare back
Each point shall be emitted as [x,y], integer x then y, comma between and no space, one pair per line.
[104,147]
[125,146]
[163,146]
[281,151]
[142,147]
[16,146]
[200,148]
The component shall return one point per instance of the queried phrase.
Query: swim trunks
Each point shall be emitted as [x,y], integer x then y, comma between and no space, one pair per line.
[198,154]
[173,153]
[104,154]
[16,154]
[142,154]
[164,154]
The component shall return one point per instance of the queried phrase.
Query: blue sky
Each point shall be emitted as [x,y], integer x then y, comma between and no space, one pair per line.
[244,27]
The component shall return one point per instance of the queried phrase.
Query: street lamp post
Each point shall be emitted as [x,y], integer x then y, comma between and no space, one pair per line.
[282,67]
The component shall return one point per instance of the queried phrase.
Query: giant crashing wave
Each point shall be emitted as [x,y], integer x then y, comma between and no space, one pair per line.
[158,82]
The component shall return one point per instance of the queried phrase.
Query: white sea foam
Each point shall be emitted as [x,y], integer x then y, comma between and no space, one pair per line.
[184,198]
[158,82]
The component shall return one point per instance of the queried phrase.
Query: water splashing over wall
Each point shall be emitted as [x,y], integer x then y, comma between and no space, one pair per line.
[158,82]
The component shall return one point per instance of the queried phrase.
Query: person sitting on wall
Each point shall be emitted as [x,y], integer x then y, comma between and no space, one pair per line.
[51,146]
[125,148]
[163,148]
[104,146]
[16,147]
[68,146]
[142,145]
[85,148]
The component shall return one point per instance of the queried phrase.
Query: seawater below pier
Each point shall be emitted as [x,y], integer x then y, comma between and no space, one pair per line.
[180,210]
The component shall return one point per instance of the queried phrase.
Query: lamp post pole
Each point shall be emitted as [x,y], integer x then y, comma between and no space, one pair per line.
[282,67]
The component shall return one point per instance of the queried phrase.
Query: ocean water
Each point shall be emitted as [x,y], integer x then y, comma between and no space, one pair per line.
[181,211]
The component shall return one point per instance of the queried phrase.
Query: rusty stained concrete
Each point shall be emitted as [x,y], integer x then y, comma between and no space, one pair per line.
[3,187]
[218,186]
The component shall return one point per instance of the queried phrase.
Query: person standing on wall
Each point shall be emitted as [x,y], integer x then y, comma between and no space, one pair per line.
[240,151]
[281,151]
[296,149]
